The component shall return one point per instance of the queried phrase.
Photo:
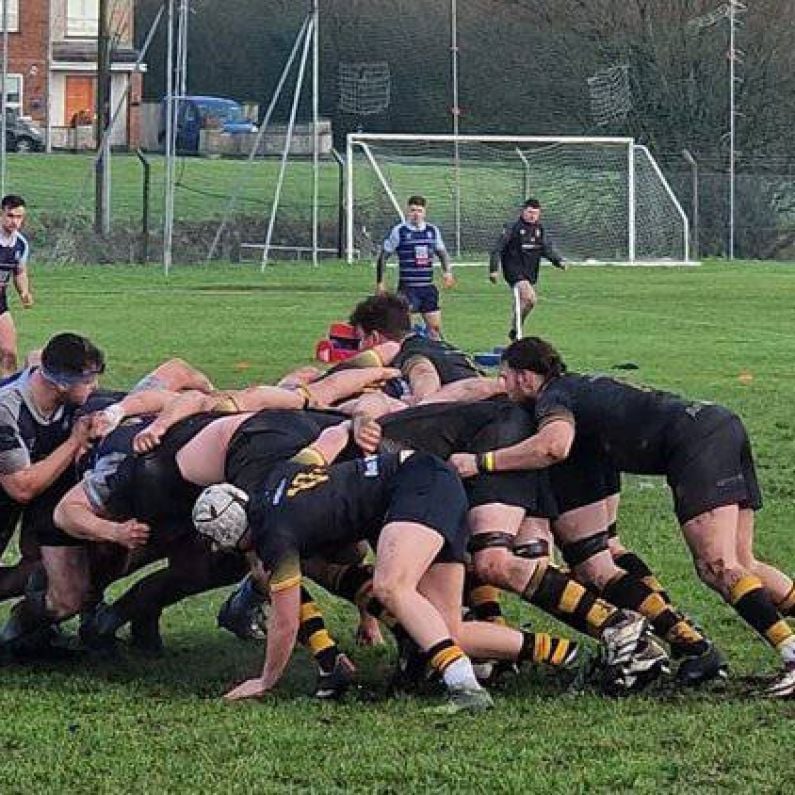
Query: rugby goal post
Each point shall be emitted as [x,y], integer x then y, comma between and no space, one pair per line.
[604,199]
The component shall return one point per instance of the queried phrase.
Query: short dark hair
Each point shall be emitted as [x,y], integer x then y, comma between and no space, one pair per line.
[534,203]
[420,201]
[389,314]
[70,357]
[11,201]
[536,355]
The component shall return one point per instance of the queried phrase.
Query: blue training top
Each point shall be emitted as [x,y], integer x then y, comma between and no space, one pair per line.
[415,247]
[13,257]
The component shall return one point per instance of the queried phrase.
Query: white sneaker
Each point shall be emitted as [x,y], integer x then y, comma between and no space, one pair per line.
[784,685]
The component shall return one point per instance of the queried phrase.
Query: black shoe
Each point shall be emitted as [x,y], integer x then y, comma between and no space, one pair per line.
[512,335]
[332,685]
[145,636]
[409,676]
[98,628]
[243,613]
[697,669]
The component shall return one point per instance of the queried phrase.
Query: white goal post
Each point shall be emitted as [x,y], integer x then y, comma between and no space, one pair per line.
[604,199]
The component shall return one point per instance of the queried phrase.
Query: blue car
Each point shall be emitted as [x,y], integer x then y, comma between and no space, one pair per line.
[197,113]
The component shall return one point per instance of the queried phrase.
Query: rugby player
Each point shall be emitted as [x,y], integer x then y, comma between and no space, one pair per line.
[416,242]
[518,252]
[702,449]
[14,252]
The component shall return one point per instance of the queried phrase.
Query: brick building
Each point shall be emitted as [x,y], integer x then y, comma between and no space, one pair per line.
[52,64]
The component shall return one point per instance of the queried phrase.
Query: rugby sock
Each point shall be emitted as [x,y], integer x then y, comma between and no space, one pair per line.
[787,605]
[483,600]
[564,598]
[668,624]
[540,647]
[355,583]
[635,565]
[314,635]
[452,665]
[750,599]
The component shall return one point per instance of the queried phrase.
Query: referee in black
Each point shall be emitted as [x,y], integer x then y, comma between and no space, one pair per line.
[519,251]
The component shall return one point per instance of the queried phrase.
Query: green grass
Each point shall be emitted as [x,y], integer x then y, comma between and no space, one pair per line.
[142,725]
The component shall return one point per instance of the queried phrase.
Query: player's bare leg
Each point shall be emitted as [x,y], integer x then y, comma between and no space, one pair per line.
[8,345]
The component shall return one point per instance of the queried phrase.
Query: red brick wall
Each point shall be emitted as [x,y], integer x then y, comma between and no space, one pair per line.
[27,55]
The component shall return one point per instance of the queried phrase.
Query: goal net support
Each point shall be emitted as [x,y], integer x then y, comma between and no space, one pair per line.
[605,200]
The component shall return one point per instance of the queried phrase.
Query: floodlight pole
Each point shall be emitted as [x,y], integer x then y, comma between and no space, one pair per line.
[168,212]
[733,8]
[315,132]
[4,78]
[456,117]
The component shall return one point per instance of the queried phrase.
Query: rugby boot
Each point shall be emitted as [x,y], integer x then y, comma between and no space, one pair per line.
[242,613]
[464,699]
[697,669]
[620,639]
[145,636]
[410,674]
[784,684]
[332,685]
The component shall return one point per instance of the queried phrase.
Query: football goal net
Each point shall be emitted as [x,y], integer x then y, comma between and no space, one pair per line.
[605,200]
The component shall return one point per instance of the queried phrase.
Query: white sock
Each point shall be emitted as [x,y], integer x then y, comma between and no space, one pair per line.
[460,674]
[787,650]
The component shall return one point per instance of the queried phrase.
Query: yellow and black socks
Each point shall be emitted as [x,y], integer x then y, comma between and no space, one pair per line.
[450,662]
[635,565]
[563,597]
[668,623]
[540,647]
[787,605]
[313,633]
[482,599]
[751,600]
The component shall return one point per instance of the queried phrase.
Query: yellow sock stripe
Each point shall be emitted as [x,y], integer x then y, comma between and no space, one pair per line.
[683,632]
[598,614]
[561,651]
[788,602]
[310,456]
[484,594]
[542,647]
[320,641]
[652,606]
[309,610]
[743,587]
[653,583]
[446,657]
[571,596]
[779,633]
[535,580]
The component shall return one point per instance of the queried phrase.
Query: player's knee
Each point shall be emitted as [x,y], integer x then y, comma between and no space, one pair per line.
[590,559]
[717,573]
[389,586]
[492,566]
[66,601]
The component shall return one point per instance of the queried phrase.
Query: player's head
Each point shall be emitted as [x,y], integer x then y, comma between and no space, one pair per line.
[380,318]
[527,365]
[72,364]
[220,514]
[415,209]
[12,211]
[531,210]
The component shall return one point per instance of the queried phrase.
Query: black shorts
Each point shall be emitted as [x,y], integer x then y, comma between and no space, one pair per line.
[260,442]
[525,273]
[711,464]
[586,476]
[427,491]
[37,518]
[421,299]
[528,489]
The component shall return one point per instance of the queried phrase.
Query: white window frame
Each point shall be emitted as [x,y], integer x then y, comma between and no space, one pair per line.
[13,16]
[21,81]
[80,24]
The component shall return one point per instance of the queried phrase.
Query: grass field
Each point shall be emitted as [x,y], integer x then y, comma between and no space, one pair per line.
[720,332]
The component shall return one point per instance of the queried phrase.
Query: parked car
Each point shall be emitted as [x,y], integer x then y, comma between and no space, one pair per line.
[22,135]
[197,113]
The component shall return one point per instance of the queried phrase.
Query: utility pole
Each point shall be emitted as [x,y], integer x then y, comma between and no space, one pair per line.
[102,185]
